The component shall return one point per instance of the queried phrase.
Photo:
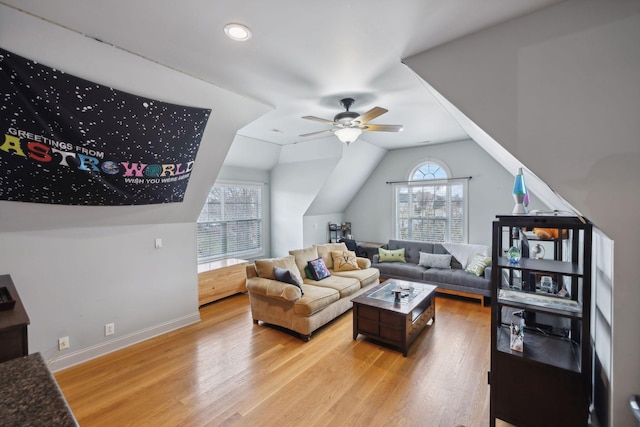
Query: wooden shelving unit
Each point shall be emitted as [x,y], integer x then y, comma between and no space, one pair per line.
[549,381]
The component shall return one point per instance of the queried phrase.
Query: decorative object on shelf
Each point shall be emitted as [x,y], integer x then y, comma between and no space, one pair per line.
[519,193]
[517,336]
[538,251]
[513,254]
[546,284]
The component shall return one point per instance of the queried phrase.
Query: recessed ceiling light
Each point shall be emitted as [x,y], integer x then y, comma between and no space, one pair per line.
[237,32]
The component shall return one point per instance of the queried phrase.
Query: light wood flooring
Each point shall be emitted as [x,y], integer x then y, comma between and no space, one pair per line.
[226,371]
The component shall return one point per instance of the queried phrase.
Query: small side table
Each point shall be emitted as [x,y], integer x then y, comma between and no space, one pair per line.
[13,325]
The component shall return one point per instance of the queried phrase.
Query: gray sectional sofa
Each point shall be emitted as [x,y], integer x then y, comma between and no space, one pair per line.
[452,279]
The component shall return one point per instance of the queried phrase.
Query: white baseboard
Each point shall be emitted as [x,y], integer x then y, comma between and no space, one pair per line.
[101,349]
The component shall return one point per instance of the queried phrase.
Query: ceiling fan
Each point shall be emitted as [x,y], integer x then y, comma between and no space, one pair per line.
[348,125]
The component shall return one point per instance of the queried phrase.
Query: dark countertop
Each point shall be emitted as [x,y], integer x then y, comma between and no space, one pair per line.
[30,396]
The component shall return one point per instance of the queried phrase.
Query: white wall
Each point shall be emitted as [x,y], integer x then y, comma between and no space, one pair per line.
[490,189]
[74,281]
[315,228]
[86,266]
[356,163]
[293,187]
[559,89]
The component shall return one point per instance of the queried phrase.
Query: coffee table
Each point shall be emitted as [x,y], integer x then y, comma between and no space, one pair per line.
[394,312]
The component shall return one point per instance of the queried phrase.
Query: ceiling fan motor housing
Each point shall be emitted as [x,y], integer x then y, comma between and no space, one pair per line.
[346,117]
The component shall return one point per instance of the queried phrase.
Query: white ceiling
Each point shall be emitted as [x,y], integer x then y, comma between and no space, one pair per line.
[303,57]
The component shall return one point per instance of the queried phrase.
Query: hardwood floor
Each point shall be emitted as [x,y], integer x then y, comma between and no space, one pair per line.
[226,371]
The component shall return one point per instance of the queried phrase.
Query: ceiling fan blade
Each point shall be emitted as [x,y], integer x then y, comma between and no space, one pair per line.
[370,115]
[318,119]
[318,132]
[382,128]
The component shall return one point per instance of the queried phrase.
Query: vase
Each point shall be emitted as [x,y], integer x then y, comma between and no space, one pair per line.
[514,255]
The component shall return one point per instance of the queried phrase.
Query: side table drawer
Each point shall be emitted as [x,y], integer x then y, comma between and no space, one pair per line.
[391,333]
[369,313]
[367,326]
[391,320]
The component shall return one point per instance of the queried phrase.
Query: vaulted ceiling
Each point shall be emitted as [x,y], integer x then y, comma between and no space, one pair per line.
[303,56]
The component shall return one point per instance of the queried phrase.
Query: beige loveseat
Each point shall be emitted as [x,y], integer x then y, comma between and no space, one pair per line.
[316,302]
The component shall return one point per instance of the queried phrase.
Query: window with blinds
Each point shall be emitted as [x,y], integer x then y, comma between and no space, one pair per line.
[431,209]
[230,224]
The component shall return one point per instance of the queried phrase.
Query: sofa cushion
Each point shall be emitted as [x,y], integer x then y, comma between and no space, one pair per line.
[303,256]
[456,277]
[318,269]
[366,276]
[324,252]
[344,285]
[315,299]
[265,266]
[391,255]
[435,260]
[344,261]
[477,265]
[401,270]
[287,276]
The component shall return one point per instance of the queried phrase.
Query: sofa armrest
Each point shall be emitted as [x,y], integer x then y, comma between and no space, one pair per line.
[487,273]
[273,289]
[363,262]
[375,258]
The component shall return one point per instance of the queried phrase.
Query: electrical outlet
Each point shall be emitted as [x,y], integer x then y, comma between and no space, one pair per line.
[63,343]
[109,329]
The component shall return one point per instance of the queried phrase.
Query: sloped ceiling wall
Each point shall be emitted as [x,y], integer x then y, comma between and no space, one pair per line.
[89,59]
[559,90]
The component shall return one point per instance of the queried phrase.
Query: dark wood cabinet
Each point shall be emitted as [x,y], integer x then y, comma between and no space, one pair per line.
[548,381]
[13,325]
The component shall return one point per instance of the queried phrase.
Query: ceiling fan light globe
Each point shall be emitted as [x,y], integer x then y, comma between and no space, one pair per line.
[348,135]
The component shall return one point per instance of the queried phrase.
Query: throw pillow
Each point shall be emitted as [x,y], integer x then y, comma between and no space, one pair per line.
[318,269]
[478,264]
[283,275]
[308,272]
[435,260]
[344,261]
[324,251]
[264,266]
[391,255]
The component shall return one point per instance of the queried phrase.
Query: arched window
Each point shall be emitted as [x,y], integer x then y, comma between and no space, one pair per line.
[431,169]
[431,206]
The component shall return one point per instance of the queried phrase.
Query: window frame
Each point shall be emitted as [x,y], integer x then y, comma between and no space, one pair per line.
[448,182]
[248,253]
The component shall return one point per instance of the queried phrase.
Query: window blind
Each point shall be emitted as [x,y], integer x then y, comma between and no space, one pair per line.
[431,211]
[230,223]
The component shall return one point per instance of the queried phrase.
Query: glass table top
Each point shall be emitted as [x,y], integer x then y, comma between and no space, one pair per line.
[407,292]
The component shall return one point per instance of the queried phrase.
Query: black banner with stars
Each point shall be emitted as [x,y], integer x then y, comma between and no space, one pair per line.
[66,140]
